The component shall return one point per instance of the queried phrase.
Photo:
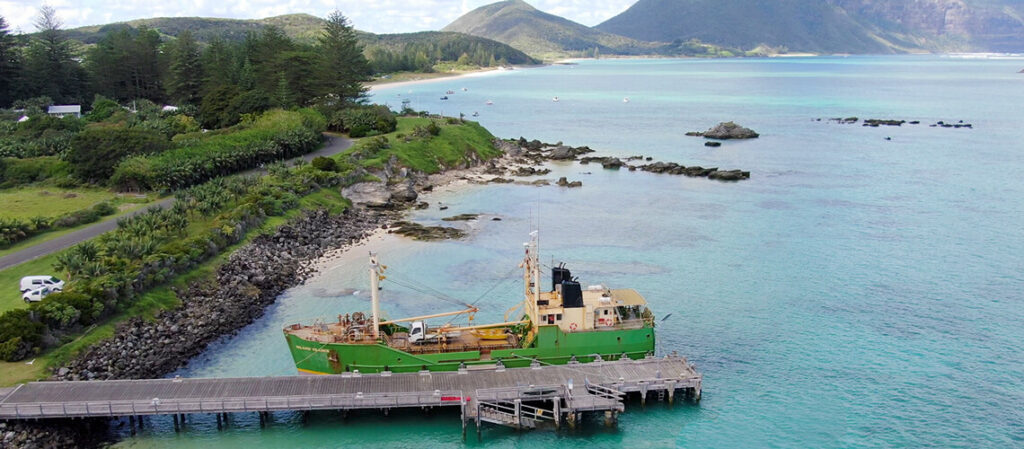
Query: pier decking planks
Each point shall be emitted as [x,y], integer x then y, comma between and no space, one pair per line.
[338,392]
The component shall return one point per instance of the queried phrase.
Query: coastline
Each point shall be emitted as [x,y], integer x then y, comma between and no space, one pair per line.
[446,76]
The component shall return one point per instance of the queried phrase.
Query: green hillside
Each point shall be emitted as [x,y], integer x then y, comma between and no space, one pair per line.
[830,26]
[302,27]
[419,51]
[387,52]
[540,34]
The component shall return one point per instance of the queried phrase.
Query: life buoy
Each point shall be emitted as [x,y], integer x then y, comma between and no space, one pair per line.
[572,326]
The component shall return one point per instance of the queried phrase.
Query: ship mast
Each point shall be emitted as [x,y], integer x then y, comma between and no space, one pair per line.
[376,271]
[531,277]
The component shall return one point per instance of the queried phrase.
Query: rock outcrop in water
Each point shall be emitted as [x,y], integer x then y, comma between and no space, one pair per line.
[875,122]
[726,131]
[417,231]
[671,168]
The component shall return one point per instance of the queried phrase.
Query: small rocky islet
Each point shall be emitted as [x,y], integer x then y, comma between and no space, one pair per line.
[726,131]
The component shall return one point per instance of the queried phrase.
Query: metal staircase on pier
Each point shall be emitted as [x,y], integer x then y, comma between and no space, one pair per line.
[506,406]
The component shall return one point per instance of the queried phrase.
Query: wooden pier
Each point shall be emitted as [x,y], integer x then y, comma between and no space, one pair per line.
[516,397]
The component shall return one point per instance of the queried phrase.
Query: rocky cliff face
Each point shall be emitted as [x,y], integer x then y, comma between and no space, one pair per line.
[947,24]
[831,26]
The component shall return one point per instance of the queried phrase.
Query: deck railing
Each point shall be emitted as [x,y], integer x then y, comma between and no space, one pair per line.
[156,406]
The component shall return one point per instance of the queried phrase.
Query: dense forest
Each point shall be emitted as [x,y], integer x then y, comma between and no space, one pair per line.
[266,69]
[222,75]
[420,52]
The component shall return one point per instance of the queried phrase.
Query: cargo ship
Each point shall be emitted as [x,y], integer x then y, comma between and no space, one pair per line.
[566,323]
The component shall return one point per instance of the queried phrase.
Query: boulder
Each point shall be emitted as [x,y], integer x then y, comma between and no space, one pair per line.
[367,192]
[565,183]
[613,163]
[403,193]
[561,153]
[729,130]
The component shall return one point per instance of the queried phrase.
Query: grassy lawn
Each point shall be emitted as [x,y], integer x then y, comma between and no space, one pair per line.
[124,208]
[28,202]
[10,297]
[151,302]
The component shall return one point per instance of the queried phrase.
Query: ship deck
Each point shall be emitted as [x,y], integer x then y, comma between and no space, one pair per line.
[455,342]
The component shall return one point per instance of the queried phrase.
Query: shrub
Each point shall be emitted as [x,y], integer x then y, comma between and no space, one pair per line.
[19,333]
[103,209]
[61,310]
[96,151]
[29,170]
[361,121]
[183,124]
[325,164]
[359,131]
[76,218]
[433,129]
[273,136]
[102,109]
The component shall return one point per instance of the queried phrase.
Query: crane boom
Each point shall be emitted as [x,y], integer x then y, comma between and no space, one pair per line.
[436,315]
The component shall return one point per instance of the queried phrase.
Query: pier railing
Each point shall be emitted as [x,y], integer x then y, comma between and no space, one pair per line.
[156,406]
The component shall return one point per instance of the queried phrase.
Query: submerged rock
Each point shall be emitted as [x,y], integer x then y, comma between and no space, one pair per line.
[874,122]
[420,232]
[712,144]
[729,175]
[461,217]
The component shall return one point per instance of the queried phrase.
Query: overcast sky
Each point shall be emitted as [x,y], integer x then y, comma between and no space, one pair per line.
[378,16]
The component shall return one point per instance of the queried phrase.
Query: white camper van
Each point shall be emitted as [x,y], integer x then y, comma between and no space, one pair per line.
[37,282]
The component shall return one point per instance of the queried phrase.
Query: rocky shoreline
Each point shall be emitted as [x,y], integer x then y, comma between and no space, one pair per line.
[252,278]
[256,274]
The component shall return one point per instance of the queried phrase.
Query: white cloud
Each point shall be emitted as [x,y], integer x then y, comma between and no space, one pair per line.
[379,16]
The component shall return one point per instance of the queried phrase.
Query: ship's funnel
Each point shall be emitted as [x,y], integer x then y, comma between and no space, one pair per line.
[559,274]
[572,294]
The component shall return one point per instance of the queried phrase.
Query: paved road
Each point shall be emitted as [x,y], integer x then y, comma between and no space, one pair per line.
[333,145]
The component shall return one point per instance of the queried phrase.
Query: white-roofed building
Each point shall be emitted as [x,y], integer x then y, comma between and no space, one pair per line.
[65,110]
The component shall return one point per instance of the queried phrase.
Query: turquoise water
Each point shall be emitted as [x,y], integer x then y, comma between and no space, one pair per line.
[854,293]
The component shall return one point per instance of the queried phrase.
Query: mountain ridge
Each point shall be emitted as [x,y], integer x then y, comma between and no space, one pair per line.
[830,26]
[540,34]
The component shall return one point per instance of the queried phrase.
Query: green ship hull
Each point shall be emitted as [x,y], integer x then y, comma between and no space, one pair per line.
[551,346]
